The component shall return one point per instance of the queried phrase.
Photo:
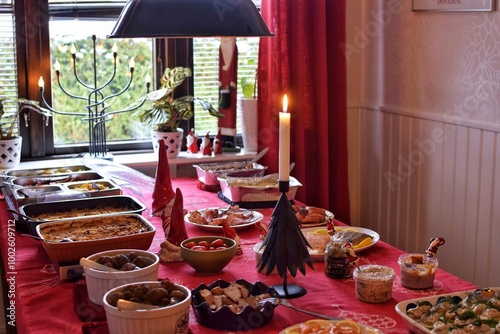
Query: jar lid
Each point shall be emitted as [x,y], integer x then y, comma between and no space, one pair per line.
[374,272]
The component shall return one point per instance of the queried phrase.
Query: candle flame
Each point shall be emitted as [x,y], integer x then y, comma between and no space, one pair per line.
[73,49]
[57,66]
[114,48]
[131,63]
[40,82]
[285,103]
[148,78]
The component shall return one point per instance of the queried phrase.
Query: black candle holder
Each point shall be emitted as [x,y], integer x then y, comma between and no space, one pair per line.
[285,247]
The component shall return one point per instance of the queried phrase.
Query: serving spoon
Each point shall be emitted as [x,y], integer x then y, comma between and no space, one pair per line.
[87,263]
[127,305]
[258,156]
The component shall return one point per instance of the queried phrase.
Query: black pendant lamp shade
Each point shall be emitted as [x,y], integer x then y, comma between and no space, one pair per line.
[189,18]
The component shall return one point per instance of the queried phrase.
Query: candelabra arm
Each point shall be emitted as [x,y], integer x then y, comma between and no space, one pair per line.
[131,107]
[122,91]
[54,111]
[68,93]
[78,78]
[110,79]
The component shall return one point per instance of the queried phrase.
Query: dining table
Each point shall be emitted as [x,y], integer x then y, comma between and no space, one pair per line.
[39,301]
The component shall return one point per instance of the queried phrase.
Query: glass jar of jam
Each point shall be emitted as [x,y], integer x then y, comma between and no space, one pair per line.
[337,263]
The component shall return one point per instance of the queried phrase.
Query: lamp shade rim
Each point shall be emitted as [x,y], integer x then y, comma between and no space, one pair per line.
[189,18]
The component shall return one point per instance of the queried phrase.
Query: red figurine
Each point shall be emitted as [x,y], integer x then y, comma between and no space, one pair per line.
[262,229]
[192,142]
[230,232]
[163,193]
[206,145]
[218,143]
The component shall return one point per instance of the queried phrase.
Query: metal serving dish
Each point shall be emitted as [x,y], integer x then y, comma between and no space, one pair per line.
[46,171]
[33,181]
[90,235]
[256,189]
[208,173]
[73,208]
[97,188]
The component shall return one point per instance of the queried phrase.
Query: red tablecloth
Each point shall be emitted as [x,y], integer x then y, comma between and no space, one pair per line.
[44,304]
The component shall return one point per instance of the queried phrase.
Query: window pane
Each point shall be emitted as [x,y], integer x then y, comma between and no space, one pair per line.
[206,75]
[96,71]
[8,74]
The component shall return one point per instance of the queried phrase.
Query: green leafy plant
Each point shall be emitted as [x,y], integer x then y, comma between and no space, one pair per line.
[9,120]
[167,112]
[248,86]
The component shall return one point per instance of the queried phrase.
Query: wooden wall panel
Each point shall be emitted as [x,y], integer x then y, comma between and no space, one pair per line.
[421,178]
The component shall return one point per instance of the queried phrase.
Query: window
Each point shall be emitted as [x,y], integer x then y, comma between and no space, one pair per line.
[206,74]
[69,134]
[8,75]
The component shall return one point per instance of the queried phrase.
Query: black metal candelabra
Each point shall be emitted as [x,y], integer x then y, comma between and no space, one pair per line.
[285,247]
[98,112]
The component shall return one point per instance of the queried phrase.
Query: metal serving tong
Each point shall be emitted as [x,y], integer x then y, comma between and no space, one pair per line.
[285,302]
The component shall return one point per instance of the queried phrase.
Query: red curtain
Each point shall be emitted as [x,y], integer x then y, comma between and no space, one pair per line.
[305,60]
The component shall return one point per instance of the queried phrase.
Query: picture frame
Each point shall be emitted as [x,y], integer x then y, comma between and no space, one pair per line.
[454,5]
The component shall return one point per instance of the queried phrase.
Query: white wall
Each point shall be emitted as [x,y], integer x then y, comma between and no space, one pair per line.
[424,118]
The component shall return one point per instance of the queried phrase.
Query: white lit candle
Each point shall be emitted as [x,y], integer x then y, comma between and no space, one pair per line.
[40,82]
[284,145]
[131,63]
[57,66]
[114,48]
[73,49]
[147,79]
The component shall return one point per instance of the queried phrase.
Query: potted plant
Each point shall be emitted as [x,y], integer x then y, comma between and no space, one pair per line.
[247,111]
[10,141]
[167,112]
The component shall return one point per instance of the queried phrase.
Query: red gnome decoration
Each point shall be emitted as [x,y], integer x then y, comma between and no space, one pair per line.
[218,143]
[163,193]
[206,145]
[192,142]
[175,231]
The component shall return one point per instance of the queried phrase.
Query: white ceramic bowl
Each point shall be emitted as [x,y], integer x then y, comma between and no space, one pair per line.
[100,282]
[258,255]
[169,319]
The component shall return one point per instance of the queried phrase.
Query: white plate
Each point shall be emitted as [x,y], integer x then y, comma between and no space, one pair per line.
[375,238]
[416,327]
[256,217]
[295,328]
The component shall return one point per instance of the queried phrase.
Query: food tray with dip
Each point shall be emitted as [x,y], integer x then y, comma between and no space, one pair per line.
[46,171]
[97,188]
[456,297]
[68,240]
[84,207]
[255,192]
[209,173]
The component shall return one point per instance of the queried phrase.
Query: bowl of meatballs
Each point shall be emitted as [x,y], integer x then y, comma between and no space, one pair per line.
[125,266]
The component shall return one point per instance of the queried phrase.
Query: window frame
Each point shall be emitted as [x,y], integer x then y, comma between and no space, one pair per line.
[33,54]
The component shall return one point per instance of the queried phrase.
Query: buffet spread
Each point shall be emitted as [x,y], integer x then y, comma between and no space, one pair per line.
[84,214]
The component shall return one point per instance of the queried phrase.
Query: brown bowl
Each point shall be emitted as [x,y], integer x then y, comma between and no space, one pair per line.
[140,237]
[208,261]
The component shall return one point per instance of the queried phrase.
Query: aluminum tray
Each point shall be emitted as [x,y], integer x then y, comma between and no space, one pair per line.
[46,171]
[34,181]
[256,189]
[208,173]
[87,207]
[108,188]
